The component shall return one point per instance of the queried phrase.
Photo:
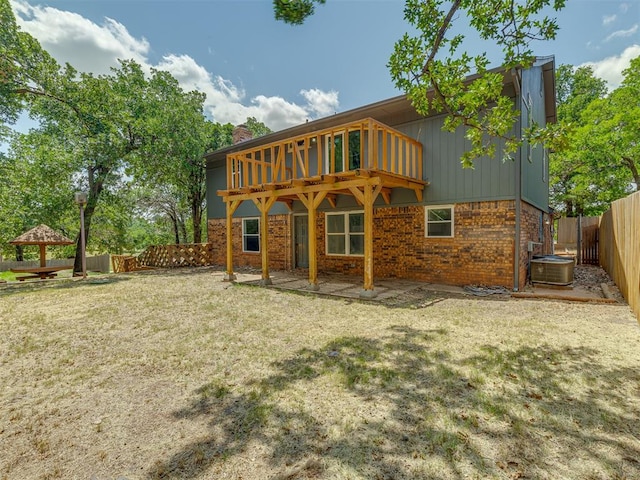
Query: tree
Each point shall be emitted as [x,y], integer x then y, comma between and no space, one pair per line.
[36,186]
[294,12]
[432,71]
[257,129]
[610,132]
[601,160]
[570,176]
[163,202]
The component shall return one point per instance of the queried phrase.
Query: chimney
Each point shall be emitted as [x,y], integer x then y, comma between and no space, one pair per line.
[241,134]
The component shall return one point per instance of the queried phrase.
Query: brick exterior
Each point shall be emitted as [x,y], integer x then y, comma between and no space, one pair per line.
[535,226]
[280,238]
[481,251]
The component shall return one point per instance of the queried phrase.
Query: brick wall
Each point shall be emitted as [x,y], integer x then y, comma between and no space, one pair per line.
[481,251]
[280,256]
[535,226]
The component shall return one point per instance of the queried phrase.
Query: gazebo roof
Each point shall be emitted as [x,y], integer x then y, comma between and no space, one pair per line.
[41,235]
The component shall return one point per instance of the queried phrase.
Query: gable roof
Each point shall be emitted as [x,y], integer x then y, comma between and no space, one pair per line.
[393,111]
[41,235]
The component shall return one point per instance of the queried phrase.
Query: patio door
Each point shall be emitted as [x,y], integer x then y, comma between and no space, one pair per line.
[301,240]
[336,149]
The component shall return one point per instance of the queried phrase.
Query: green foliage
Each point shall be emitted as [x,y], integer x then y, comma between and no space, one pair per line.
[432,68]
[36,187]
[601,160]
[433,72]
[257,129]
[294,12]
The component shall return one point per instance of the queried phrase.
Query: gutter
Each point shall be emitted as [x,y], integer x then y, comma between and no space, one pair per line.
[518,192]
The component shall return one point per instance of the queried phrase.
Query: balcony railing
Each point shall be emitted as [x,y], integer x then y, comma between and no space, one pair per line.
[362,145]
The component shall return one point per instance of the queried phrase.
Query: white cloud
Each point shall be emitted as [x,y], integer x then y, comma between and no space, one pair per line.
[320,102]
[610,68]
[94,48]
[623,33]
[71,38]
[608,19]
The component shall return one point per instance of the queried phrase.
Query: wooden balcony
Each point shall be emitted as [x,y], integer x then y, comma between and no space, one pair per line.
[324,160]
[363,159]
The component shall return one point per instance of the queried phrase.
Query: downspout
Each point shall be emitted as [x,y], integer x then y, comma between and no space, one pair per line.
[516,74]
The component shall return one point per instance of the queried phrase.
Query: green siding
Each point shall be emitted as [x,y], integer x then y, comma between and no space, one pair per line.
[490,179]
[535,169]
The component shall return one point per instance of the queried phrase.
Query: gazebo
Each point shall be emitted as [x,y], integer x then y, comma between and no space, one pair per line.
[42,235]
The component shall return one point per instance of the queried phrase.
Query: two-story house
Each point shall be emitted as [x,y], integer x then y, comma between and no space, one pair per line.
[379,191]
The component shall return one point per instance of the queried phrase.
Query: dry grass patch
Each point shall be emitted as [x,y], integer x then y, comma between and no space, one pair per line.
[179,375]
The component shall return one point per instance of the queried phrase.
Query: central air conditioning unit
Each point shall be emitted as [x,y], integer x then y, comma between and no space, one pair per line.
[552,269]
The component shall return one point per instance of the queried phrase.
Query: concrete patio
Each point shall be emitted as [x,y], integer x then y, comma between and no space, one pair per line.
[388,290]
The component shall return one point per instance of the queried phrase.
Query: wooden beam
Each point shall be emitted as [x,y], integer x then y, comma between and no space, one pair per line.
[312,200]
[264,205]
[289,191]
[319,198]
[232,206]
[386,195]
[304,199]
[289,203]
[331,198]
[367,288]
[358,194]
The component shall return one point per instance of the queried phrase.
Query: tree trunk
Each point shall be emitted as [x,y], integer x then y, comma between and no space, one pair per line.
[183,229]
[568,207]
[196,216]
[634,171]
[176,228]
[94,194]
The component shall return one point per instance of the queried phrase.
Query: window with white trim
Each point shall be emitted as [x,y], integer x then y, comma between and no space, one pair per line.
[250,234]
[345,233]
[439,221]
[236,175]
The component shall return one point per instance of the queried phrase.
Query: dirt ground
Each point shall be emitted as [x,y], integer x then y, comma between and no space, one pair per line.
[178,375]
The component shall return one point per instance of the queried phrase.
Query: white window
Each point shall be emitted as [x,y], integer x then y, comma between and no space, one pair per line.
[236,175]
[250,234]
[439,221]
[345,233]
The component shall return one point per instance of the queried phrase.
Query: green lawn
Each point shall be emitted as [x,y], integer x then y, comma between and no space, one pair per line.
[177,374]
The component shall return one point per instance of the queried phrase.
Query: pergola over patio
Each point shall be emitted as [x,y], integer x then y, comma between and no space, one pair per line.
[307,168]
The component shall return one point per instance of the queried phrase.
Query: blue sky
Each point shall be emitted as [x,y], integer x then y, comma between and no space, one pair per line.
[249,64]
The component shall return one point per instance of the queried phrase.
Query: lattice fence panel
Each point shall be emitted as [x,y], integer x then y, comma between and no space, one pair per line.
[172,256]
[125,263]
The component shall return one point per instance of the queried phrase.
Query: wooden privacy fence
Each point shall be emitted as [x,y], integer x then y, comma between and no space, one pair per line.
[165,256]
[620,247]
[589,242]
[582,235]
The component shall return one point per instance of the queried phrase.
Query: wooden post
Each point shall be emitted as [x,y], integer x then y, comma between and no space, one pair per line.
[264,204]
[367,289]
[313,247]
[312,201]
[43,255]
[264,245]
[232,206]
